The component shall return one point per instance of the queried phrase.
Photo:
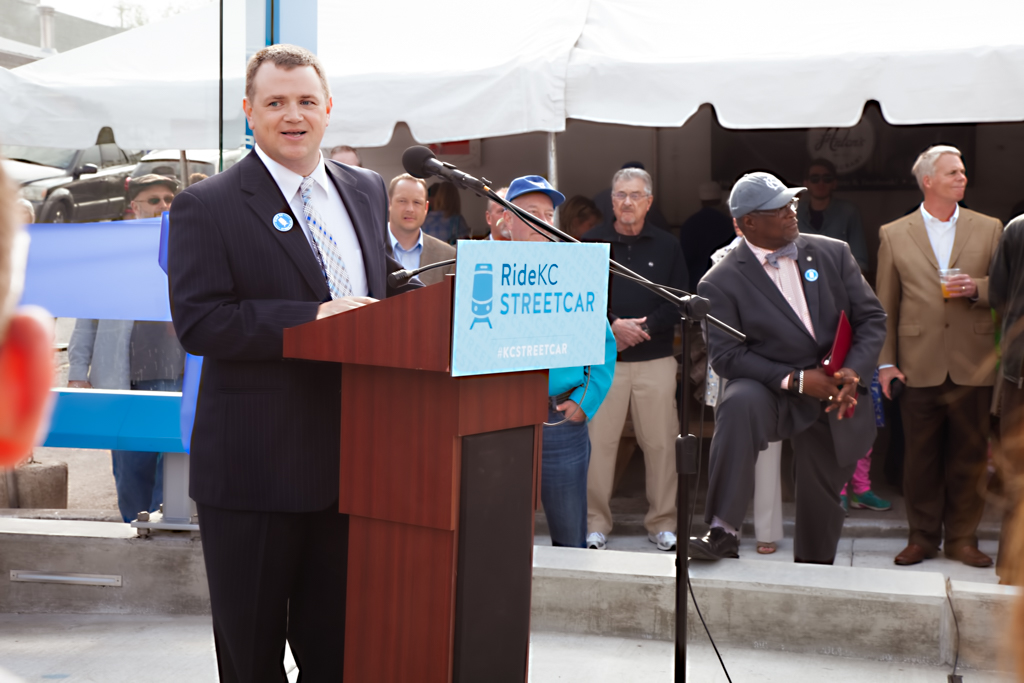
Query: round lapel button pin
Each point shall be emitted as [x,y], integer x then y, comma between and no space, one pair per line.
[810,275]
[283,222]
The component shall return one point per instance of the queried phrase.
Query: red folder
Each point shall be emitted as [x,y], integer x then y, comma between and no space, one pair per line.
[841,346]
[836,356]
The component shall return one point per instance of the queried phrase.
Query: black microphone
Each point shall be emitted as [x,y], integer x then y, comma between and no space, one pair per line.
[420,162]
[400,277]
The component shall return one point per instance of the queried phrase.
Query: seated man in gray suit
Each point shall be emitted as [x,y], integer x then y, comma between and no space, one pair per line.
[407,209]
[786,291]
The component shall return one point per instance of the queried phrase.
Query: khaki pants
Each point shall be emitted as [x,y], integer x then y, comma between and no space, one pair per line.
[650,386]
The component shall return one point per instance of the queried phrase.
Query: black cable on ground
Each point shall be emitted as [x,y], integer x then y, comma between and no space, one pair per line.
[693,507]
[953,677]
[719,655]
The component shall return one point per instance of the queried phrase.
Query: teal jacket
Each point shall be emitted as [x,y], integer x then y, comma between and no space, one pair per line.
[561,380]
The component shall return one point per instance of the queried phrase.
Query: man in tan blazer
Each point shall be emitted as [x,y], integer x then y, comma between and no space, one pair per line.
[942,348]
[407,209]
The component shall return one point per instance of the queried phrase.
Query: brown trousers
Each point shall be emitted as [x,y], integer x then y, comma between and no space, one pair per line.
[946,453]
[1011,465]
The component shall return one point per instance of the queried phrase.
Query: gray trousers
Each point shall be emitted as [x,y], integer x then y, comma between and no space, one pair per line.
[748,416]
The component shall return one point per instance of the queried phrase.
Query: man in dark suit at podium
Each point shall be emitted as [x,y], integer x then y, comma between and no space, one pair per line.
[786,292]
[280,239]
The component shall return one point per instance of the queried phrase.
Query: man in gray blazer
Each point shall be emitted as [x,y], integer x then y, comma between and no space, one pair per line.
[786,292]
[137,355]
[407,209]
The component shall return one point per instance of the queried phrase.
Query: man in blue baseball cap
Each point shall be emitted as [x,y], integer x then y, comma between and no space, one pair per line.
[786,291]
[575,394]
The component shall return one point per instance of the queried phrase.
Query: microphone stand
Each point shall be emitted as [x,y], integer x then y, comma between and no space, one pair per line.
[400,277]
[692,309]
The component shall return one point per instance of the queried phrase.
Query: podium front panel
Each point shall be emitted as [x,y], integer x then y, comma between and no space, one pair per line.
[492,630]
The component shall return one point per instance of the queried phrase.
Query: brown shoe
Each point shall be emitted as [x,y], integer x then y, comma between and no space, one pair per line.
[913,554]
[970,556]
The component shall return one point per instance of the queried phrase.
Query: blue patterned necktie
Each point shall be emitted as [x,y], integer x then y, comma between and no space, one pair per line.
[327,250]
[788,250]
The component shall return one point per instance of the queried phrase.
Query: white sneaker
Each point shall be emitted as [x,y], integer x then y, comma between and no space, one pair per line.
[665,540]
[596,541]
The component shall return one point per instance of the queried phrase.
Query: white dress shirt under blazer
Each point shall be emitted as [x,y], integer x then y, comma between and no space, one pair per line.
[328,203]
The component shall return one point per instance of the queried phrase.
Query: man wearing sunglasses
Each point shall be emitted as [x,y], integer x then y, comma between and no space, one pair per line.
[126,354]
[152,194]
[820,213]
[786,292]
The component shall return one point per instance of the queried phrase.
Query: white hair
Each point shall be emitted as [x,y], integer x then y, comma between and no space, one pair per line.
[925,164]
[627,174]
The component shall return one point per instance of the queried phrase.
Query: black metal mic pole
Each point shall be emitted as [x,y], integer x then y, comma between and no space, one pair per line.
[686,467]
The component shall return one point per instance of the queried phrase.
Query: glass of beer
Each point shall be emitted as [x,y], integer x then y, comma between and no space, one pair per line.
[944,275]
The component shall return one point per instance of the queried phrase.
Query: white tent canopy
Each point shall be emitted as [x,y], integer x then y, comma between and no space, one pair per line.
[155,86]
[798,63]
[469,71]
[455,70]
[465,70]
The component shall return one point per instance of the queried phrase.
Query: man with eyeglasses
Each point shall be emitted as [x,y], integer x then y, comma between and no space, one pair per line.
[151,195]
[822,214]
[786,292]
[138,355]
[645,376]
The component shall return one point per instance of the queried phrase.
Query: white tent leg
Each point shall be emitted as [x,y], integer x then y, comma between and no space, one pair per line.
[553,167]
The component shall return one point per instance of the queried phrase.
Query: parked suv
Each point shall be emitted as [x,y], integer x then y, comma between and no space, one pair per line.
[73,185]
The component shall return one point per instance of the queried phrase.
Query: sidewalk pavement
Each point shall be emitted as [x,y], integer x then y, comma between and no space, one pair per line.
[79,648]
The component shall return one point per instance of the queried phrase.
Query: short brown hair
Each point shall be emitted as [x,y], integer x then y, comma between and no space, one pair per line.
[575,211]
[287,57]
[447,200]
[405,176]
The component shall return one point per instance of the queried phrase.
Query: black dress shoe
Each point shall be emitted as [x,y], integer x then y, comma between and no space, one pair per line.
[716,544]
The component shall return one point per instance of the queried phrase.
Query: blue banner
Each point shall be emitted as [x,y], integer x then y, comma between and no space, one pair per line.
[528,306]
[97,270]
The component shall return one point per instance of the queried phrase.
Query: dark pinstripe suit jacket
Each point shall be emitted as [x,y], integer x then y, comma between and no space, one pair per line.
[266,434]
[743,296]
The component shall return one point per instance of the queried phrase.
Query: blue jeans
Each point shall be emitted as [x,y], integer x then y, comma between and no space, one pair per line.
[563,481]
[139,475]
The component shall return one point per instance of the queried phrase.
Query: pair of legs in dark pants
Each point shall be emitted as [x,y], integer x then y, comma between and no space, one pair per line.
[946,431]
[276,576]
[746,420]
[139,475]
[563,480]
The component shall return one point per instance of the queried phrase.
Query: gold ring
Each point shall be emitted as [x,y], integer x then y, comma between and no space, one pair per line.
[829,398]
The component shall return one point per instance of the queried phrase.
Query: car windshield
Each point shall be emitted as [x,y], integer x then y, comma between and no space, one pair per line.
[44,156]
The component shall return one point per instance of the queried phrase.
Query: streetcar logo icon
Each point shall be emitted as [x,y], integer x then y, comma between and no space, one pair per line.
[483,293]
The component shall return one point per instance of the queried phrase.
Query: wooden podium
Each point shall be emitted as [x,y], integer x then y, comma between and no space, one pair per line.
[440,477]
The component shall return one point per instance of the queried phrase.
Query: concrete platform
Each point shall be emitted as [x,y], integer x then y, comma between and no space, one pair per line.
[127,649]
[763,602]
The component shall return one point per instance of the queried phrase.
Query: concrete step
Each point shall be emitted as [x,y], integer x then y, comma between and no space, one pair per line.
[769,604]
[874,614]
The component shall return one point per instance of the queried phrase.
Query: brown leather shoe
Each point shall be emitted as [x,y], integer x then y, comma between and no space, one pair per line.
[913,554]
[970,556]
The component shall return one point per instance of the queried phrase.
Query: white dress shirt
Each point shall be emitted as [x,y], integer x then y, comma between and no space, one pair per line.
[941,234]
[328,203]
[410,259]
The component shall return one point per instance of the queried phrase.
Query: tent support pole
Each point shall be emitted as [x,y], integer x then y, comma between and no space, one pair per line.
[553,166]
[184,169]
